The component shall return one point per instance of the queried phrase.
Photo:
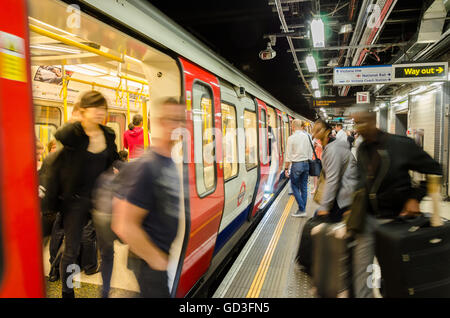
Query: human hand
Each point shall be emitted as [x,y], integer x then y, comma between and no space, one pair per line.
[286,173]
[411,208]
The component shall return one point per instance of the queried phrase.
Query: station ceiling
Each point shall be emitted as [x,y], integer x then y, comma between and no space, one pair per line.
[239,29]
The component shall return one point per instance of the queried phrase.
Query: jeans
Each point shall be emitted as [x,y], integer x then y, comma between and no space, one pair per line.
[75,217]
[299,183]
[152,283]
[106,237]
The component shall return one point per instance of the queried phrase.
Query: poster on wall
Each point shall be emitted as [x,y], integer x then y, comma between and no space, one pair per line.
[50,74]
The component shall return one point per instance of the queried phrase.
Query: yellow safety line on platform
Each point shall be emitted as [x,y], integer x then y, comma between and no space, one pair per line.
[261,273]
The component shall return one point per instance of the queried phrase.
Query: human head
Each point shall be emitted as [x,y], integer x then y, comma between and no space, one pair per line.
[166,115]
[298,124]
[366,124]
[93,107]
[39,149]
[338,127]
[321,129]
[123,155]
[137,120]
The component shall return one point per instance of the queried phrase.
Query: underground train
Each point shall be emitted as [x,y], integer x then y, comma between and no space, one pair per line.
[53,50]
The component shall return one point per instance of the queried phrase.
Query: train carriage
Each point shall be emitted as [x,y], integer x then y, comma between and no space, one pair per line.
[131,52]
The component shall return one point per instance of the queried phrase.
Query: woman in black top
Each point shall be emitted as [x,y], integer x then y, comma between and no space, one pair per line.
[89,149]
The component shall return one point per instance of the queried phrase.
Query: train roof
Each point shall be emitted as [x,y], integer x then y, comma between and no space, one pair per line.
[164,31]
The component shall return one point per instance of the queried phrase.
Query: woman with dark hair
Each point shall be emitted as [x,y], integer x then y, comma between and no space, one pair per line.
[133,139]
[89,149]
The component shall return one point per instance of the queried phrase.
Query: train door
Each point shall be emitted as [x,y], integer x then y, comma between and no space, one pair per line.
[21,265]
[290,124]
[264,163]
[280,131]
[273,150]
[206,186]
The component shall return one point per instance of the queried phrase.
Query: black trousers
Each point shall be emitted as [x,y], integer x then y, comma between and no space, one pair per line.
[75,216]
[152,283]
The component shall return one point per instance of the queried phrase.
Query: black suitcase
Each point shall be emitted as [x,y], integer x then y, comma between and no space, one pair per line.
[304,254]
[414,258]
[332,262]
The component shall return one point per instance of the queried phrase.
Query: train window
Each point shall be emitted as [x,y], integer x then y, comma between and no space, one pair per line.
[286,133]
[251,147]
[230,157]
[204,149]
[264,137]
[47,120]
[280,138]
[116,122]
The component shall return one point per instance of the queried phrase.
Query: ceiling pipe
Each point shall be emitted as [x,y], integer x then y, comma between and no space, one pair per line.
[291,45]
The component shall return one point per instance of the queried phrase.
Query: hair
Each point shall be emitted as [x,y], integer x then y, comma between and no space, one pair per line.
[93,99]
[123,154]
[157,109]
[137,120]
[130,126]
[76,107]
[324,124]
[50,145]
[297,123]
[339,125]
[39,144]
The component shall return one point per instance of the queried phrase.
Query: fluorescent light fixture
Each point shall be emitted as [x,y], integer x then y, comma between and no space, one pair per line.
[81,70]
[317,94]
[437,84]
[318,32]
[382,105]
[52,27]
[315,83]
[311,63]
[399,98]
[376,109]
[54,48]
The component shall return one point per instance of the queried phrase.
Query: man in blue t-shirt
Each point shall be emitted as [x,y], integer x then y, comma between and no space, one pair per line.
[145,209]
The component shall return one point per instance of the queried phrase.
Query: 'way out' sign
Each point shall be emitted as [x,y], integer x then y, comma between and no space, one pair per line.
[385,74]
[420,72]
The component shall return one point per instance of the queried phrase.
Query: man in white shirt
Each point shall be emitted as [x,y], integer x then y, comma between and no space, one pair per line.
[340,133]
[299,151]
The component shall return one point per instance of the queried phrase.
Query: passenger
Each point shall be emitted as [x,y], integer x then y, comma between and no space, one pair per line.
[52,146]
[76,115]
[318,149]
[384,161]
[145,215]
[339,169]
[89,149]
[340,132]
[123,155]
[133,139]
[39,153]
[299,151]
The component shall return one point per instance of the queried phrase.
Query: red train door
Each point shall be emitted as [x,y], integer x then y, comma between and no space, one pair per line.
[206,183]
[21,265]
[280,144]
[264,164]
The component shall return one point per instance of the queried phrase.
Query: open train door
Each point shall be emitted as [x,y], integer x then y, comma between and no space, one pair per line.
[21,265]
[206,183]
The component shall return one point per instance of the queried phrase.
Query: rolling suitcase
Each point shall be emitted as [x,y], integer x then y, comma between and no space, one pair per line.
[331,270]
[304,254]
[414,254]
[414,258]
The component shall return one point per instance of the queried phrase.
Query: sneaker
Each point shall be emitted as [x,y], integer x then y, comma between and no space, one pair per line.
[299,214]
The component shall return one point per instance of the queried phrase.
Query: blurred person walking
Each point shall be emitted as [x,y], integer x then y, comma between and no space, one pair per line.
[384,190]
[145,213]
[339,171]
[89,149]
[299,151]
[318,148]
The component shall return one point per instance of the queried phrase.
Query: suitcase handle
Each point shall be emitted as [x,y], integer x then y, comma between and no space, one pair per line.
[434,182]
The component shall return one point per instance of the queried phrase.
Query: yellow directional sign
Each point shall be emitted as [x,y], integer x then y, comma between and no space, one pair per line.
[420,72]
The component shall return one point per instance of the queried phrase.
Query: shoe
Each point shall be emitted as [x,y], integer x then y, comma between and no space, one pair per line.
[299,214]
[91,271]
[70,294]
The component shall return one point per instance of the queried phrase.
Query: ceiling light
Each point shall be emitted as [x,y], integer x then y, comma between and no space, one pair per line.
[54,48]
[418,90]
[315,83]
[311,63]
[333,62]
[317,94]
[382,105]
[318,32]
[81,70]
[346,28]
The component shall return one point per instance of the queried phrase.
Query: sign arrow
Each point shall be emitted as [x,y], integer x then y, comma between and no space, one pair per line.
[440,70]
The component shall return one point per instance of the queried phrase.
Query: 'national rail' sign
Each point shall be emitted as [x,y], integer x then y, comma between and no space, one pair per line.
[386,74]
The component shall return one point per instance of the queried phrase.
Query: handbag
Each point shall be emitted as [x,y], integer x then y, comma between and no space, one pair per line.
[315,166]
